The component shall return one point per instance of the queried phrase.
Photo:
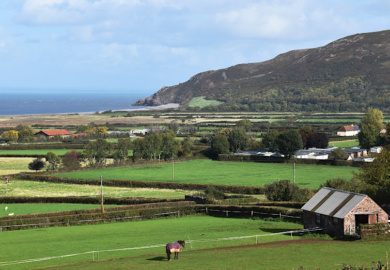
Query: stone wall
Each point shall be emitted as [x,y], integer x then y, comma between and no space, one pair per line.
[365,206]
[379,231]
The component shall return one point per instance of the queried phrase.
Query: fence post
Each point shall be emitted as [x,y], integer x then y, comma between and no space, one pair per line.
[252,213]
[280,215]
[256,239]
[227,213]
[207,211]
[178,213]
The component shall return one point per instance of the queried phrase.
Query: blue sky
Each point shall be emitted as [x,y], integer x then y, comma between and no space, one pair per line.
[143,45]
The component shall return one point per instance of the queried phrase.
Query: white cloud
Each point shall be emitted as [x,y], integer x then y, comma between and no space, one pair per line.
[115,54]
[71,11]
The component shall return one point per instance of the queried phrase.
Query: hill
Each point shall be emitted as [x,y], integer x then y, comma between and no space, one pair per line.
[349,74]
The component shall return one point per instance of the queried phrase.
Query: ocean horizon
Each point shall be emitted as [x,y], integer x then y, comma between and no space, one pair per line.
[30,102]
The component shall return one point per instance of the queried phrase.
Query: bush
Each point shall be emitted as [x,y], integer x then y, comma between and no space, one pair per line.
[284,190]
[213,193]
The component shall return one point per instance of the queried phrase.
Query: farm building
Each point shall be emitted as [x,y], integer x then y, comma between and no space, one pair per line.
[348,131]
[340,212]
[52,133]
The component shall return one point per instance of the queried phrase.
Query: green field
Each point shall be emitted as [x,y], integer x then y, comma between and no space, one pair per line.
[18,188]
[35,208]
[202,102]
[58,241]
[41,152]
[288,255]
[345,144]
[222,173]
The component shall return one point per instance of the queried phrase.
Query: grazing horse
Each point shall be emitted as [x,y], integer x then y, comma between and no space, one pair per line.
[174,247]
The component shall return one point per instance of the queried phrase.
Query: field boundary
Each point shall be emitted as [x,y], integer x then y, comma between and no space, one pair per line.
[93,252]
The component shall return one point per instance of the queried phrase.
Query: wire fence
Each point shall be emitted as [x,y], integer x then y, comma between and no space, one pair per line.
[190,242]
[176,213]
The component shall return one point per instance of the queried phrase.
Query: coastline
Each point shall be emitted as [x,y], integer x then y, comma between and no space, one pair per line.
[149,108]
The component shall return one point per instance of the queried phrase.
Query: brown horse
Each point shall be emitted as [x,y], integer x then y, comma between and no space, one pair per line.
[174,247]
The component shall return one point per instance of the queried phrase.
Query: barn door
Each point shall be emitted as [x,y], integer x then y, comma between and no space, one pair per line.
[372,218]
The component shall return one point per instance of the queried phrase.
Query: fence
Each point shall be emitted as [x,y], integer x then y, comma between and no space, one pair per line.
[96,252]
[66,223]
[252,213]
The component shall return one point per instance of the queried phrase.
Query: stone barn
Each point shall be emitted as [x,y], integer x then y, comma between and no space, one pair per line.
[340,212]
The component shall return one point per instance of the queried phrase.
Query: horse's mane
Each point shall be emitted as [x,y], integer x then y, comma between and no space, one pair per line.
[181,242]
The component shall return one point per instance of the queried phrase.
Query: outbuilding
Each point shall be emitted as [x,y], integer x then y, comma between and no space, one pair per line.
[340,212]
[52,133]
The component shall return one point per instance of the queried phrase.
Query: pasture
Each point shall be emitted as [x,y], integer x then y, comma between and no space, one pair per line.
[221,172]
[37,152]
[13,165]
[345,144]
[310,254]
[18,188]
[36,208]
[50,242]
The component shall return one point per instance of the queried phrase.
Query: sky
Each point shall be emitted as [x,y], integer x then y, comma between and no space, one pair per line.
[143,45]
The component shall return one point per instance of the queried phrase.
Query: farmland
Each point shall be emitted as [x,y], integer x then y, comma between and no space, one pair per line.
[104,240]
[22,209]
[222,173]
[18,188]
[78,239]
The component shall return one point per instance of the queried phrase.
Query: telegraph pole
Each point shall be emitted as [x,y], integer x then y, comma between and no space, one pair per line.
[173,170]
[101,193]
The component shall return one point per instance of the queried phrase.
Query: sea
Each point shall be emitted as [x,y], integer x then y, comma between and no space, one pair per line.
[59,101]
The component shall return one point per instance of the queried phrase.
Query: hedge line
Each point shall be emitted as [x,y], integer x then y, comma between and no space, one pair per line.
[140,184]
[253,158]
[94,216]
[42,146]
[85,200]
[270,210]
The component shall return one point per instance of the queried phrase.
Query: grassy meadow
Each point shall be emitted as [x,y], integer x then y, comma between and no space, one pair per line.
[42,152]
[345,144]
[222,173]
[36,208]
[13,165]
[18,188]
[57,241]
[289,255]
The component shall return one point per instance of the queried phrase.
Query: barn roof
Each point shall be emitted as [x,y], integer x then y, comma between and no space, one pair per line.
[333,202]
[54,132]
[349,128]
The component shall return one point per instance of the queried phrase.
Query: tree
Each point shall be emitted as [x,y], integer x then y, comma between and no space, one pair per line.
[287,142]
[72,160]
[254,144]
[306,132]
[37,164]
[97,152]
[339,153]
[376,176]
[11,134]
[370,127]
[284,190]
[245,124]
[170,146]
[122,151]
[220,144]
[186,146]
[318,140]
[238,139]
[269,138]
[53,160]
[25,133]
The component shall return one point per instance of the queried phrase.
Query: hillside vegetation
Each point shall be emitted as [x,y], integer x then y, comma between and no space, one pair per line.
[349,74]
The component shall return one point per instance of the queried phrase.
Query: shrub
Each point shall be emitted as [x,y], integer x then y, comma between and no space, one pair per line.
[284,190]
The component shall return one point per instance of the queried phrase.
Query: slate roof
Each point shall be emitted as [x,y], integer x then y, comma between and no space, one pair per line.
[333,202]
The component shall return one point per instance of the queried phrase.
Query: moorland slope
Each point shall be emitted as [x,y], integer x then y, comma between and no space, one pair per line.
[348,74]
